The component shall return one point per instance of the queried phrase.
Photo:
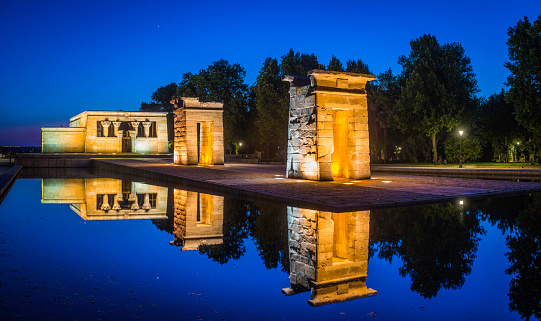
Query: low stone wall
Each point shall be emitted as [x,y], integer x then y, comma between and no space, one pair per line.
[63,139]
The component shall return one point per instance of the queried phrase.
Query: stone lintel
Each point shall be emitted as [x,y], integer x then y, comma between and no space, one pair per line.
[195,103]
[297,81]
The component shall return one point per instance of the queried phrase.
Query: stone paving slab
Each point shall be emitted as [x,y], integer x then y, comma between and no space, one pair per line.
[266,182]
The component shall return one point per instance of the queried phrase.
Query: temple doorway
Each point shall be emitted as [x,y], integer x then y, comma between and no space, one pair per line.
[126,142]
[339,156]
[205,149]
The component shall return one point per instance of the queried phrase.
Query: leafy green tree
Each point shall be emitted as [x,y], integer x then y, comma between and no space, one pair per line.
[272,104]
[438,88]
[357,66]
[297,64]
[524,48]
[382,97]
[222,82]
[161,99]
[271,97]
[498,125]
[471,150]
[335,64]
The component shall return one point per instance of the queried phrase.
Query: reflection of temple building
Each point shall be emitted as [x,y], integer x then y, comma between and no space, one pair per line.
[106,198]
[198,219]
[328,255]
[109,132]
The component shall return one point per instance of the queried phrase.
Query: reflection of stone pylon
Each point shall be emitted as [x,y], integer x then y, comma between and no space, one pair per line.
[105,203]
[135,205]
[146,204]
[116,206]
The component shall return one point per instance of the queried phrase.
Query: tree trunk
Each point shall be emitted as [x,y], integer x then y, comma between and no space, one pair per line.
[385,153]
[434,148]
[506,151]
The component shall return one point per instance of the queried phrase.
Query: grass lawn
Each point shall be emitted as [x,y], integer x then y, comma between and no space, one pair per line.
[487,164]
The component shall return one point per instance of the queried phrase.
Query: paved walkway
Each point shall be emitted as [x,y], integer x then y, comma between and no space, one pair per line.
[267,182]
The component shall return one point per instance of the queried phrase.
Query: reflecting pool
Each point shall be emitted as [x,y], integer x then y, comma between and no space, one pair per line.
[112,249]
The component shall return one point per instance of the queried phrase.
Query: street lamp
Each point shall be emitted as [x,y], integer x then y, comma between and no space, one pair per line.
[460,161]
[516,152]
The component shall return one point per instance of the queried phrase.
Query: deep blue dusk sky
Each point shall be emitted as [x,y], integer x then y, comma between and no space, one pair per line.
[60,58]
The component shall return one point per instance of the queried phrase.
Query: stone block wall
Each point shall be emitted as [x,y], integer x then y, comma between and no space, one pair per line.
[328,255]
[63,140]
[189,112]
[328,126]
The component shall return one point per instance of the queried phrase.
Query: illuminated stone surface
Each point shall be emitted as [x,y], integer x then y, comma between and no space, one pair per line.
[198,219]
[198,132]
[106,198]
[328,126]
[109,132]
[328,255]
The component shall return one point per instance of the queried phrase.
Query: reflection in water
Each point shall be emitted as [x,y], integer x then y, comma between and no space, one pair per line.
[436,243]
[525,262]
[198,219]
[106,198]
[329,255]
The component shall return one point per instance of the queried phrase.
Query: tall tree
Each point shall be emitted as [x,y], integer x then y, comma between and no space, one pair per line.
[297,64]
[382,96]
[272,104]
[161,99]
[335,64]
[222,82]
[357,66]
[272,97]
[498,125]
[525,80]
[439,87]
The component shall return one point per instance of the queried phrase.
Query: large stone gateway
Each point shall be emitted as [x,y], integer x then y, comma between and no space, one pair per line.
[328,126]
[198,132]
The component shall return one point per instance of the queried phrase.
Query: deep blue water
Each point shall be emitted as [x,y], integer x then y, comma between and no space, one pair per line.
[433,262]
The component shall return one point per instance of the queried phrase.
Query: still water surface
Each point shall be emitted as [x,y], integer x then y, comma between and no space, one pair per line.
[110,249]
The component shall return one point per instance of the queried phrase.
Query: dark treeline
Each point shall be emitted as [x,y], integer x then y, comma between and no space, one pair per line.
[414,116]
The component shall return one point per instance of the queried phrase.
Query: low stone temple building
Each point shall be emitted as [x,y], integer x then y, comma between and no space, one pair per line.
[109,132]
[106,198]
[328,254]
[198,219]
[199,137]
[328,126]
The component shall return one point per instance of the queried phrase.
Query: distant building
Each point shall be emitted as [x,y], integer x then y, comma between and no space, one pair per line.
[109,132]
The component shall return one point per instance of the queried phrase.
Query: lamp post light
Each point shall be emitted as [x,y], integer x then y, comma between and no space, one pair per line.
[460,161]
[517,153]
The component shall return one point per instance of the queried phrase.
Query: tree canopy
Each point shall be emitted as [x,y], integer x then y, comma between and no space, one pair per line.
[438,87]
[222,82]
[161,99]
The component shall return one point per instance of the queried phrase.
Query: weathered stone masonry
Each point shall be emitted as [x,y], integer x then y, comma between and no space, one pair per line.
[328,255]
[198,132]
[328,126]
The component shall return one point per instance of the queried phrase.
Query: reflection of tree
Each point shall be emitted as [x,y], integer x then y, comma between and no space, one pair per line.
[268,227]
[436,243]
[167,224]
[234,232]
[501,212]
[525,262]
